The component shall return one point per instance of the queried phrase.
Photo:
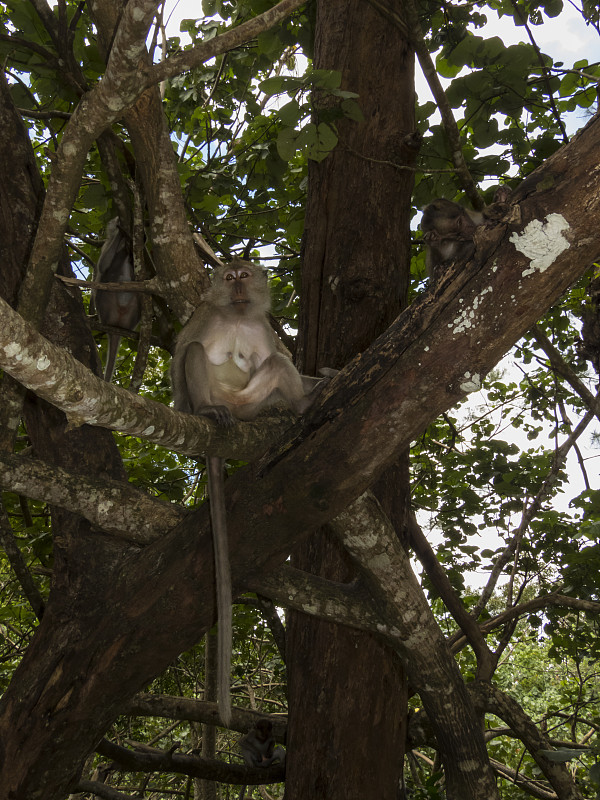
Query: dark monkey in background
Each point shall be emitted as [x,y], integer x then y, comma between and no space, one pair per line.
[448,230]
[258,746]
[121,309]
[229,364]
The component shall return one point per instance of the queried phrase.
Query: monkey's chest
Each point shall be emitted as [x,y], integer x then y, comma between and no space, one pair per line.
[236,354]
[240,347]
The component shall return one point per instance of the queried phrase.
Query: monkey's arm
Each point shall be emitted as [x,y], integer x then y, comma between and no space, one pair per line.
[197,387]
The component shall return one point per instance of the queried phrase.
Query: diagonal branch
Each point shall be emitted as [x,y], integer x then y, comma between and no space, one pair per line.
[194,57]
[558,363]
[494,701]
[114,506]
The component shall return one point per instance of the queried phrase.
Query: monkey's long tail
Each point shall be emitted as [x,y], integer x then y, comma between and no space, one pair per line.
[218,519]
[111,355]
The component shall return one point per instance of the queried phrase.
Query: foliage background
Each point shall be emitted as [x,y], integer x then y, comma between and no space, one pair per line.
[487,480]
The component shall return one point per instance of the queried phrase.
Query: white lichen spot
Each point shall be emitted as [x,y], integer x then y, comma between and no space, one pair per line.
[149,430]
[69,150]
[61,215]
[379,562]
[138,14]
[542,242]
[426,349]
[43,363]
[464,320]
[105,506]
[12,349]
[470,383]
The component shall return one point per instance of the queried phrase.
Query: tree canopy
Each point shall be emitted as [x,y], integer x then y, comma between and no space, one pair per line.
[435,633]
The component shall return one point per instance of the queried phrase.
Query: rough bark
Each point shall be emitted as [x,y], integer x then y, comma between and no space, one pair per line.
[346,691]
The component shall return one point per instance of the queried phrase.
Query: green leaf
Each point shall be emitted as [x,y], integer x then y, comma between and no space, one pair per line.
[287,143]
[279,84]
[352,110]
[291,113]
[212,7]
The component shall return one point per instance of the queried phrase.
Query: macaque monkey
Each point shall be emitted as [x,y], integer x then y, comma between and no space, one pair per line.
[228,364]
[258,746]
[121,309]
[448,230]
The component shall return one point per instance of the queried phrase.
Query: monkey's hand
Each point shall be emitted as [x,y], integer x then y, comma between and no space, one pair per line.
[219,414]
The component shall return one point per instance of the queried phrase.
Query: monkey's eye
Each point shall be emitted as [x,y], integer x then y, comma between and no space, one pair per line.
[244,274]
[229,276]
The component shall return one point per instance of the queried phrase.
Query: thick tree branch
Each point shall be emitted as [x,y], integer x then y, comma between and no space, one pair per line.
[372,542]
[160,761]
[345,604]
[114,506]
[185,708]
[468,625]
[56,376]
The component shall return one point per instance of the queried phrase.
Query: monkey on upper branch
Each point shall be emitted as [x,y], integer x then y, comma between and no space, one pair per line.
[229,364]
[121,309]
[448,232]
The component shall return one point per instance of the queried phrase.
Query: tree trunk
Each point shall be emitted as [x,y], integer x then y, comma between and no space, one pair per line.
[347,691]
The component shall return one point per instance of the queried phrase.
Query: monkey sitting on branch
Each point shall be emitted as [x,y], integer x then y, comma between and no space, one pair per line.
[120,309]
[448,232]
[228,364]
[258,748]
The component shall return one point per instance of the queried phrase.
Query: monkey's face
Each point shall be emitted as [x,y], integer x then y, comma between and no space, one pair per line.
[238,285]
[241,287]
[263,729]
[442,216]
